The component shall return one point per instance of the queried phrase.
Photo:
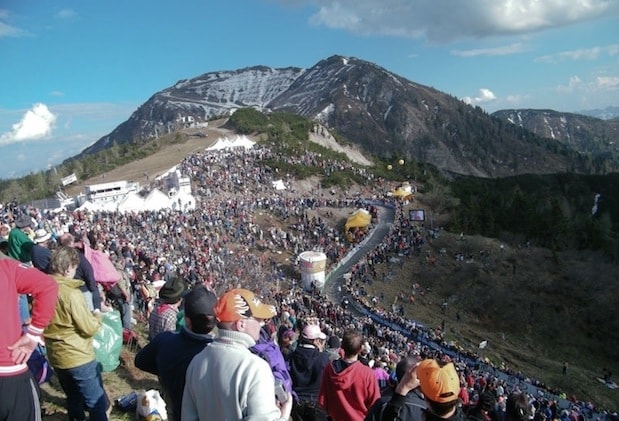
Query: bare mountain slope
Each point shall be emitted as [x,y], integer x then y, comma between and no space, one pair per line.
[379,111]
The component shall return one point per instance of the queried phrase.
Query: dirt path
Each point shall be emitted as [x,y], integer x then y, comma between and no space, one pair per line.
[160,162]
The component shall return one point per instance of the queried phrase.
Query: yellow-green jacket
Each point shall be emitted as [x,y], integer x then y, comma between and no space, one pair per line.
[68,337]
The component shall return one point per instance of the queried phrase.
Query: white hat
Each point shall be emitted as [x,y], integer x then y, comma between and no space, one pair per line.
[41,235]
[313,332]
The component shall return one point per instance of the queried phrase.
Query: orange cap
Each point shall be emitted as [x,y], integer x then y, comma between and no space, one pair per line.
[238,304]
[438,384]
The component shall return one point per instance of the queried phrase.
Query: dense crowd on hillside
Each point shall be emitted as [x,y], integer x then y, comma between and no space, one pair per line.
[223,245]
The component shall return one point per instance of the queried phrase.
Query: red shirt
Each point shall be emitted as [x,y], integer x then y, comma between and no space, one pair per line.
[348,391]
[20,279]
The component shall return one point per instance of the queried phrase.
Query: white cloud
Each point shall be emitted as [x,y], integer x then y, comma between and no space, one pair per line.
[37,123]
[581,54]
[66,14]
[494,51]
[595,92]
[441,21]
[606,82]
[77,126]
[6,29]
[484,96]
[574,83]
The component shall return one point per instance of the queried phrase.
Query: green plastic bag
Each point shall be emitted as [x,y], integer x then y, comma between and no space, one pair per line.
[108,342]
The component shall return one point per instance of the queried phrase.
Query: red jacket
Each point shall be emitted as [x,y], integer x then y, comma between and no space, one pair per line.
[347,392]
[15,279]
[464,395]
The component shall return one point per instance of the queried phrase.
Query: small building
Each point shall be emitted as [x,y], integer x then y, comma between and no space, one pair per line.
[174,182]
[186,119]
[100,194]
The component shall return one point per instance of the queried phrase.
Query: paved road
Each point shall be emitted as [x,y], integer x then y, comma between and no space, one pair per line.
[335,279]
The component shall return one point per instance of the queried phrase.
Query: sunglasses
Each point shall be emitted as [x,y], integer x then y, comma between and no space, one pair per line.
[260,322]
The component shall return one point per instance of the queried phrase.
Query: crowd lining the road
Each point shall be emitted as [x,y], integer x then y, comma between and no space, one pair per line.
[223,244]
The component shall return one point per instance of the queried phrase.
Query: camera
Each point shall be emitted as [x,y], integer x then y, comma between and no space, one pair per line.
[280,392]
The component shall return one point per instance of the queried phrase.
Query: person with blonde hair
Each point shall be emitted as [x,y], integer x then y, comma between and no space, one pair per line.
[68,339]
[83,272]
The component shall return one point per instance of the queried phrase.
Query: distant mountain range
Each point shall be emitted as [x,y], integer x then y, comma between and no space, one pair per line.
[587,135]
[607,113]
[387,115]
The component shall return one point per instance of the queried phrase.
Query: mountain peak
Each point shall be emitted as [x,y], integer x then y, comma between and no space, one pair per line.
[381,112]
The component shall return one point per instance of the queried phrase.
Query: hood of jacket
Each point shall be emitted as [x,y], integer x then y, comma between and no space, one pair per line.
[306,367]
[342,374]
[303,357]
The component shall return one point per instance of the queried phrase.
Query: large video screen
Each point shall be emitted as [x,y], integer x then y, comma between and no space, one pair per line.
[417,215]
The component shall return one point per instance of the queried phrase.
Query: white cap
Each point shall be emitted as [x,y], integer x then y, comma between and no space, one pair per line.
[313,332]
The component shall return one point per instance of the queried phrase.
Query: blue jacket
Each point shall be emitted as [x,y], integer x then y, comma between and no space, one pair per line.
[168,355]
[40,257]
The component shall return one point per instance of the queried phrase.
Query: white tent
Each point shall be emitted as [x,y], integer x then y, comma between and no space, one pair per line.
[87,205]
[131,202]
[95,207]
[279,185]
[237,142]
[156,200]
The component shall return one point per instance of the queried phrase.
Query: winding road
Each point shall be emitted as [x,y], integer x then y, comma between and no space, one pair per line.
[335,279]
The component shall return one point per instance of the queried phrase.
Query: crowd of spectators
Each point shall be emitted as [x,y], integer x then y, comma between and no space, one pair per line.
[223,244]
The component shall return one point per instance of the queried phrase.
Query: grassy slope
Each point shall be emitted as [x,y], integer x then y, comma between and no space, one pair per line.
[535,310]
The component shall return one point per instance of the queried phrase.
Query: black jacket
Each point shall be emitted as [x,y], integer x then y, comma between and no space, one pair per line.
[396,409]
[85,273]
[411,409]
[307,364]
[168,355]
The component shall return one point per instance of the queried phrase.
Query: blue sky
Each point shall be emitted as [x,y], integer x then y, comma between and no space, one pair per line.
[74,70]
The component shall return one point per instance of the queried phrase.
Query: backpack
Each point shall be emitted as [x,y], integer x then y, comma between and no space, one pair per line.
[39,366]
[113,292]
